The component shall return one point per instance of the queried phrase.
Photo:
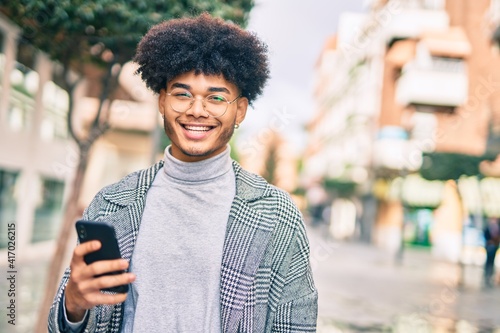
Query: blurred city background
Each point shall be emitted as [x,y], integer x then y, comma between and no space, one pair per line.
[382,119]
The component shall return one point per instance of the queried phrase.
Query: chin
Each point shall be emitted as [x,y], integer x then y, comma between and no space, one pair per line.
[195,151]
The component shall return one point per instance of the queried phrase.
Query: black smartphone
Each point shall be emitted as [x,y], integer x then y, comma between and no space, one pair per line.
[105,233]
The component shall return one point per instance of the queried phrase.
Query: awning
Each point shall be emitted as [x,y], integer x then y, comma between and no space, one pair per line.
[419,192]
[481,197]
[412,191]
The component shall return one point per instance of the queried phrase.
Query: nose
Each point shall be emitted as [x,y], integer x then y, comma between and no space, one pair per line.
[197,109]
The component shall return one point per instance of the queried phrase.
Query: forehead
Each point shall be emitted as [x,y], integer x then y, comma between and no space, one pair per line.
[202,82]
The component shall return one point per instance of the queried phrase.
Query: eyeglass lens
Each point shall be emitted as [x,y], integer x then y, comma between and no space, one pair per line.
[181,101]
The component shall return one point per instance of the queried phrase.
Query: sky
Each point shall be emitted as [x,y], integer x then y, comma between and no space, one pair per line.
[295,31]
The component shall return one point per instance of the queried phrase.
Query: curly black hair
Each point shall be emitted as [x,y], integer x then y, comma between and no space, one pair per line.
[206,45]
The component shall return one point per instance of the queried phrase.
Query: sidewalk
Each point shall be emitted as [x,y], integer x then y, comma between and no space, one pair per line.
[361,289]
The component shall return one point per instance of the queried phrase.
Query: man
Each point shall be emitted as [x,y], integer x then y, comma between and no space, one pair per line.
[492,241]
[207,246]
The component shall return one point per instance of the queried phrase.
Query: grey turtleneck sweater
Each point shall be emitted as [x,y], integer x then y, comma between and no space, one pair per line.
[178,253]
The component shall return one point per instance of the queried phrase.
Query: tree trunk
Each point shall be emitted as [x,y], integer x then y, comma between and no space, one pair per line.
[71,213]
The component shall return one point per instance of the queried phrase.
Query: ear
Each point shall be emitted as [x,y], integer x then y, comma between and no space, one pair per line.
[161,101]
[241,111]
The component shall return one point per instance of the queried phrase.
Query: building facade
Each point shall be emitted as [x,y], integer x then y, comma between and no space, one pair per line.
[37,156]
[425,78]
[33,137]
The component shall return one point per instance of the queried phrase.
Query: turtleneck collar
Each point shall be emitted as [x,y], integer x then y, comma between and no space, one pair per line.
[200,171]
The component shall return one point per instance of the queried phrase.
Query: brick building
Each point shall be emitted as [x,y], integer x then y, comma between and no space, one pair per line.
[406,78]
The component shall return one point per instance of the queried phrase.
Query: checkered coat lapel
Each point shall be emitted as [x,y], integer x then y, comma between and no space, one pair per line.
[266,280]
[248,233]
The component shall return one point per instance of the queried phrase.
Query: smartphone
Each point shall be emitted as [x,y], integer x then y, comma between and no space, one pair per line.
[105,233]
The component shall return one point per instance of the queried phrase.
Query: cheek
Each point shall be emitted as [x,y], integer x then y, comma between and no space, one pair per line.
[227,133]
[168,125]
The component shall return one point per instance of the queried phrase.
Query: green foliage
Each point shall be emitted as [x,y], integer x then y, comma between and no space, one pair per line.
[164,140]
[339,187]
[299,191]
[234,148]
[444,166]
[104,31]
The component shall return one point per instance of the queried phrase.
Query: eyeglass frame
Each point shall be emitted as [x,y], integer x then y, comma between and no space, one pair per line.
[194,99]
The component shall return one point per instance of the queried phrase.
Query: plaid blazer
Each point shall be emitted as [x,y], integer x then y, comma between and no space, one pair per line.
[266,281]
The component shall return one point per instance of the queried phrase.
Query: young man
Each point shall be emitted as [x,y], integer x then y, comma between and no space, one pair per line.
[207,246]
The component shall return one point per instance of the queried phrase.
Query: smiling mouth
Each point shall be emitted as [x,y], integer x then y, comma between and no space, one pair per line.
[198,128]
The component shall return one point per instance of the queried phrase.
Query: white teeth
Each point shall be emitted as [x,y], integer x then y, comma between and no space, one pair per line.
[197,128]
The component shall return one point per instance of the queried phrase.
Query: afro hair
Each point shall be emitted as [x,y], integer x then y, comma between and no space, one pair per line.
[206,45]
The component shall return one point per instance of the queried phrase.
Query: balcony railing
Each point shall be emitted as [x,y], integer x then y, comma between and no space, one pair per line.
[407,22]
[442,83]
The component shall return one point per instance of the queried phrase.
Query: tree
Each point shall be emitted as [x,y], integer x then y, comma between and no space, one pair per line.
[102,34]
[445,166]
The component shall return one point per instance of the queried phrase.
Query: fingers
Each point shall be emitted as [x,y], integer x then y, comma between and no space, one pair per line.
[105,266]
[84,272]
[83,290]
[84,295]
[106,281]
[86,248]
[108,299]
[81,270]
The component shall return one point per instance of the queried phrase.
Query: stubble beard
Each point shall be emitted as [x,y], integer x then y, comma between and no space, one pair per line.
[224,137]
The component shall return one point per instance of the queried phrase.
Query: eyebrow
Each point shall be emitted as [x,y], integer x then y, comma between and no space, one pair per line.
[210,89]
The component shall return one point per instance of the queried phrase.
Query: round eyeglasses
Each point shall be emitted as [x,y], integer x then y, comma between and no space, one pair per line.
[215,104]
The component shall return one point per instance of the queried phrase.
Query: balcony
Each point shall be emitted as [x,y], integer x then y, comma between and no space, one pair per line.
[411,22]
[394,151]
[442,83]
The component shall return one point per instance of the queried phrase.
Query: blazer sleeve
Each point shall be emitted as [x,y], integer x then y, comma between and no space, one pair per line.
[56,321]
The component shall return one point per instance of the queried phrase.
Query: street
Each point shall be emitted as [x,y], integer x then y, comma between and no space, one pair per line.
[362,289]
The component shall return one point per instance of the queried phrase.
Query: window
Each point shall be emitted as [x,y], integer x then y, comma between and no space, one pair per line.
[26,54]
[8,204]
[450,65]
[24,81]
[55,102]
[48,213]
[493,140]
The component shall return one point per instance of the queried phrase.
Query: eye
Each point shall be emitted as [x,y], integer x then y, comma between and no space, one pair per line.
[216,99]
[181,94]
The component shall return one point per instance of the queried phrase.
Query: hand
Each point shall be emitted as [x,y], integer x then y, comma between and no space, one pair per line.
[83,290]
